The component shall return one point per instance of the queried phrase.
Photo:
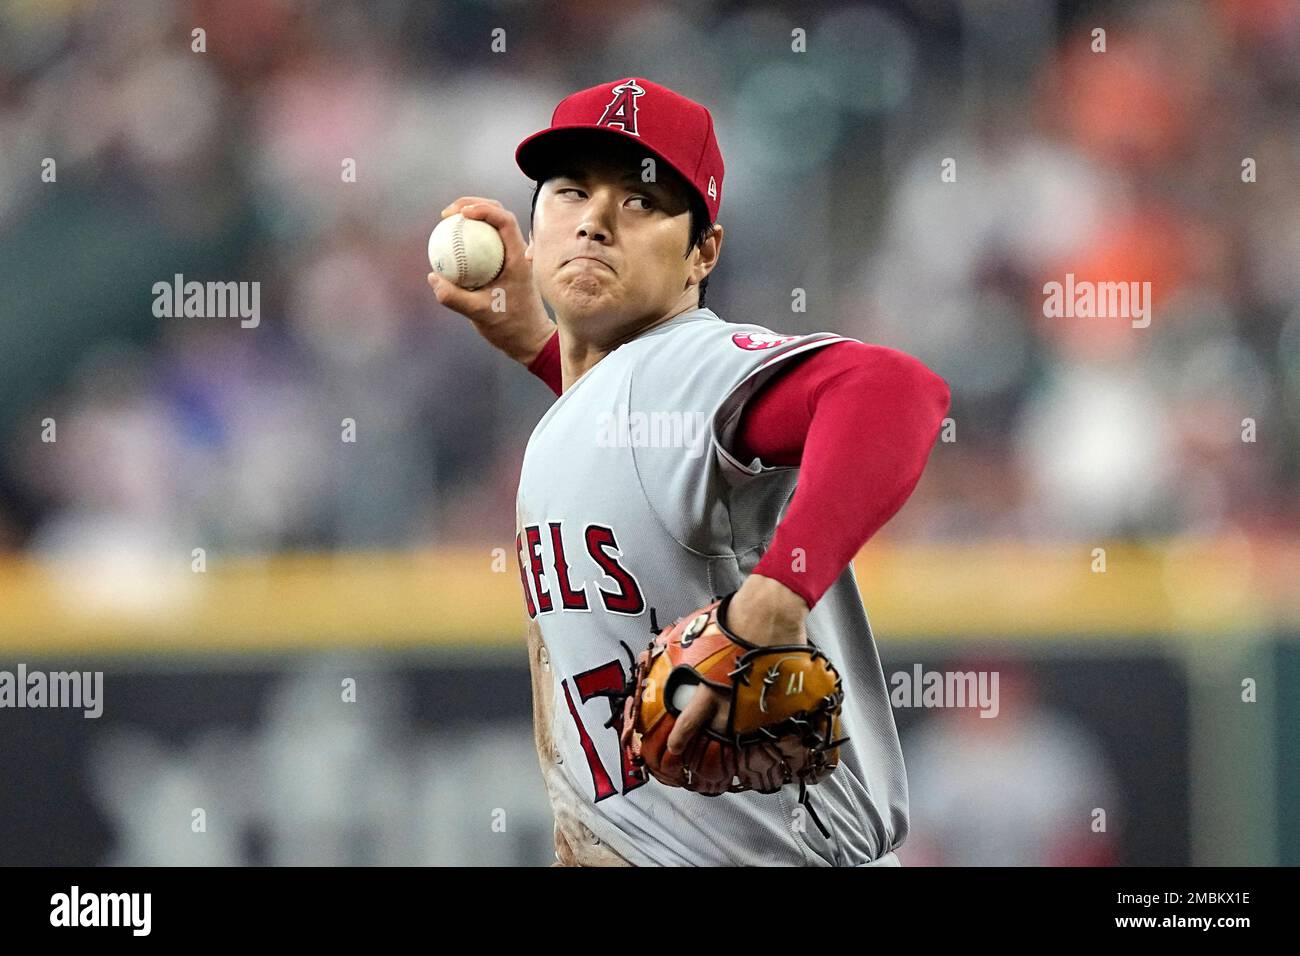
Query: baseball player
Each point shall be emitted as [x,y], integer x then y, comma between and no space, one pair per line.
[687,457]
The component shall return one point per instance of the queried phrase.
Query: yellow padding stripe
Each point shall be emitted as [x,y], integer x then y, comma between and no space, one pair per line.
[471,597]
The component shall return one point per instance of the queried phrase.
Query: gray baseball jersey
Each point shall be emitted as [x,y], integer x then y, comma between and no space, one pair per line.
[630,497]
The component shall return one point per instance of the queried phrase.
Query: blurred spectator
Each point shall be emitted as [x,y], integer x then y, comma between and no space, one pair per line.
[228,165]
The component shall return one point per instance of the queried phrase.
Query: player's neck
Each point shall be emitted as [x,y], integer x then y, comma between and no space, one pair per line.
[577,357]
[579,353]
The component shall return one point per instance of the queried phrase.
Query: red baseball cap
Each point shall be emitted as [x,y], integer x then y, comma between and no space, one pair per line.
[676,130]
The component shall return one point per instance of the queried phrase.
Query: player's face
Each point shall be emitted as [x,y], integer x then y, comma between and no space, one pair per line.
[609,250]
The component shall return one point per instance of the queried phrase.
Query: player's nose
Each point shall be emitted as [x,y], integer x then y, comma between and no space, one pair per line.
[597,221]
[595,227]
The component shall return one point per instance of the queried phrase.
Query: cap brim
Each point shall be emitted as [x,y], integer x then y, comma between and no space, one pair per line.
[538,154]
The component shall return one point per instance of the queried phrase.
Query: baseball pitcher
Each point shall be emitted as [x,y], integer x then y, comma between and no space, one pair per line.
[706,686]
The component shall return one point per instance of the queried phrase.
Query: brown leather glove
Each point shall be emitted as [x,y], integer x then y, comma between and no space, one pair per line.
[784,722]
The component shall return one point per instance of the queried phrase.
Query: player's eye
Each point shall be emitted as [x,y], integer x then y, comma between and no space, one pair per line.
[649,203]
[567,189]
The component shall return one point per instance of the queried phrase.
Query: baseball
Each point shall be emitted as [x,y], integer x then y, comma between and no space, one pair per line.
[466,252]
[683,694]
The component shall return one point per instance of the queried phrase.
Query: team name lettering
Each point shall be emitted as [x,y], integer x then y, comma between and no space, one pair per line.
[549,577]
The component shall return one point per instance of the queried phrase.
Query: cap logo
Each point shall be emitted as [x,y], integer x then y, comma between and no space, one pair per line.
[713,188]
[621,110]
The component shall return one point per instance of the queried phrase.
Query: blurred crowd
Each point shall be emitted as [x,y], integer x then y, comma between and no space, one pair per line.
[228,164]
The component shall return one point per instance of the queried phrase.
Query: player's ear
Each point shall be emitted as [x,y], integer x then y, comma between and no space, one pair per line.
[707,252]
[528,249]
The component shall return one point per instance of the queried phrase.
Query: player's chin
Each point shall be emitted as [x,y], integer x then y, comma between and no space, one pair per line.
[588,281]
[586,294]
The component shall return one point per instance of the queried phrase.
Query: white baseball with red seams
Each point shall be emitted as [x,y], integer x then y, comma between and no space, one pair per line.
[466,252]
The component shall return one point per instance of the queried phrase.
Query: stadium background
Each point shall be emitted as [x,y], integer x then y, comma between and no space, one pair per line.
[389,561]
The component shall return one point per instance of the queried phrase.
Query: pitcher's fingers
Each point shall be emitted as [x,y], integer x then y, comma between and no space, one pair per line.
[503,220]
[451,295]
[694,715]
[456,206]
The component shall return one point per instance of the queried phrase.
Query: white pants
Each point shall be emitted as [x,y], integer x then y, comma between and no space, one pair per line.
[889,859]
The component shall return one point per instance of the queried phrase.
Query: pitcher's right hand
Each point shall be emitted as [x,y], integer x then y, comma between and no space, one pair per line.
[522,327]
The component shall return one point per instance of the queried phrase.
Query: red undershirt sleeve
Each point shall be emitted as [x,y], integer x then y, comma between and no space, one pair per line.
[859,420]
[547,364]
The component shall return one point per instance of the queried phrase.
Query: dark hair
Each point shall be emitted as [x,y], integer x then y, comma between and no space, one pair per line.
[701,227]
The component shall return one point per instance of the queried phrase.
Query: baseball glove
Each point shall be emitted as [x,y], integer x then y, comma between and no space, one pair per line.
[784,722]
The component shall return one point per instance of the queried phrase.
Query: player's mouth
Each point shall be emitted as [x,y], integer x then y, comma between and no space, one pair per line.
[590,260]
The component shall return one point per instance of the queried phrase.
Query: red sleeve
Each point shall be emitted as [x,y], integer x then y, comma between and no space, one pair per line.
[860,421]
[547,364]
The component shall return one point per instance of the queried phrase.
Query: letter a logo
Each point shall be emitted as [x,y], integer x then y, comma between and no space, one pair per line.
[621,110]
